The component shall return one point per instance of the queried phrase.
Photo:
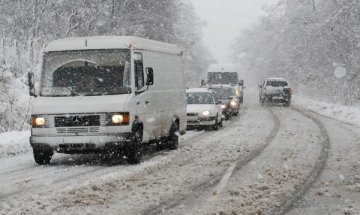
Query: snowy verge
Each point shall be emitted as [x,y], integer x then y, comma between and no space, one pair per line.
[338,112]
[14,142]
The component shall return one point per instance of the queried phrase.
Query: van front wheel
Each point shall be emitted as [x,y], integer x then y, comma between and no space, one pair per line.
[173,138]
[42,156]
[133,151]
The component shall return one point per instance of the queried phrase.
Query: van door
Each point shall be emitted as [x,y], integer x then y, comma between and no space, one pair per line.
[142,103]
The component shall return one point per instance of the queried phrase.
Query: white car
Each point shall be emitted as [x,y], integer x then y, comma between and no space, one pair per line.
[203,109]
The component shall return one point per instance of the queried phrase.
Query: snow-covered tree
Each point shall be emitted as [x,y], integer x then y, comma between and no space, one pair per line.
[306,41]
[27,26]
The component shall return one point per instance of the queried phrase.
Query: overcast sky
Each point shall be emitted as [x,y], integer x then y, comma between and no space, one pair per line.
[225,19]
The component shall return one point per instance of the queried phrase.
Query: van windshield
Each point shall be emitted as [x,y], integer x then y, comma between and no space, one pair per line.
[223,78]
[86,73]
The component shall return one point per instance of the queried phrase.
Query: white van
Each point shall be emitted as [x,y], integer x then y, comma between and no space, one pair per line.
[107,93]
[225,74]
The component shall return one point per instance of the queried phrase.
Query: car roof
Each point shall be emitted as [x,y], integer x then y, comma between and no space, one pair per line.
[111,42]
[276,79]
[198,90]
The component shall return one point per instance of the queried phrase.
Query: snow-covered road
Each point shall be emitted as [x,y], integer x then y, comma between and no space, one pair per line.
[259,163]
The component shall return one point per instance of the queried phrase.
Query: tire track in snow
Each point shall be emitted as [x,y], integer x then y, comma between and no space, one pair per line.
[288,203]
[337,120]
[236,166]
[218,181]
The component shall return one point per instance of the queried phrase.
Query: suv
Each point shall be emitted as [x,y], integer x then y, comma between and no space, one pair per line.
[275,90]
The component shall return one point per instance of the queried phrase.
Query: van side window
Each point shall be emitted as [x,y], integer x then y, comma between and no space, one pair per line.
[139,71]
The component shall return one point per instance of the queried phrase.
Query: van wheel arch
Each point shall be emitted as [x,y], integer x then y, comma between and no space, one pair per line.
[133,150]
[136,126]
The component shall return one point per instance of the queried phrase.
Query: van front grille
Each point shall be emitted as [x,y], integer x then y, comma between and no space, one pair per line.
[77,130]
[77,121]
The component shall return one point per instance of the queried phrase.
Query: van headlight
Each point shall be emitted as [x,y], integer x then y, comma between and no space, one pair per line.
[119,119]
[206,113]
[223,106]
[37,122]
[233,103]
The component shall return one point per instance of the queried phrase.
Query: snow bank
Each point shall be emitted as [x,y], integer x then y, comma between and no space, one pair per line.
[14,142]
[335,111]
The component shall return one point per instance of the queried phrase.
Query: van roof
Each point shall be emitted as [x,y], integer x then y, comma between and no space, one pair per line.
[222,68]
[276,79]
[111,42]
[220,86]
[198,90]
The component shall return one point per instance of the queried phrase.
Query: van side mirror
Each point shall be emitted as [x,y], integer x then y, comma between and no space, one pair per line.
[203,83]
[218,102]
[241,83]
[31,82]
[260,86]
[149,76]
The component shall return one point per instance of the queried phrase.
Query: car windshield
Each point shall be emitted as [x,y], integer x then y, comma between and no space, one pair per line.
[199,98]
[86,73]
[222,78]
[223,93]
[276,83]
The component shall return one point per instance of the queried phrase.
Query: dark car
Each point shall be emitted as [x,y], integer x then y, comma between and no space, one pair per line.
[230,103]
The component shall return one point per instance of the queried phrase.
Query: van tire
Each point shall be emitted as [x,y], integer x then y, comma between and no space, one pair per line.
[42,156]
[287,103]
[172,142]
[133,151]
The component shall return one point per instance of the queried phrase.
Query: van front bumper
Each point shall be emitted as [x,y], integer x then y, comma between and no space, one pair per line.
[78,144]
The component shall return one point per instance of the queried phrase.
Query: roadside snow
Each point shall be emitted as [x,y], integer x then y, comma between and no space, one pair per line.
[338,112]
[14,142]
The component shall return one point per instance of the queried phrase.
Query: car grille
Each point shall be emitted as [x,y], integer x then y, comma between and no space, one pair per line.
[192,114]
[77,121]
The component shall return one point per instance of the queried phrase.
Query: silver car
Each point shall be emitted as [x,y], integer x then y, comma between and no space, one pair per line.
[203,110]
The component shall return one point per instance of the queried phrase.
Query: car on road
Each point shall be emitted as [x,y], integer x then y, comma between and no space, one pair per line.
[275,91]
[203,109]
[230,103]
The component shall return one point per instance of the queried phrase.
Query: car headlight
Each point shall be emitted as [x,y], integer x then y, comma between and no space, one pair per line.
[233,103]
[206,113]
[223,106]
[38,122]
[119,119]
